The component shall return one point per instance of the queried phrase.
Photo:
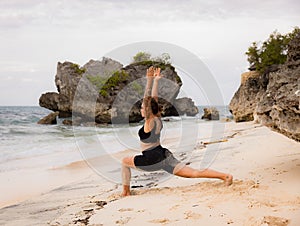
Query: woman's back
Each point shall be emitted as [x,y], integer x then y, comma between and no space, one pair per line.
[152,138]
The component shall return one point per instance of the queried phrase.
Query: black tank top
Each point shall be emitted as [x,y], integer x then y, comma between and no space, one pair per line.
[150,137]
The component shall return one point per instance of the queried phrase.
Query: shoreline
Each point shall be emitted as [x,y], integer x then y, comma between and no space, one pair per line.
[265,188]
[39,174]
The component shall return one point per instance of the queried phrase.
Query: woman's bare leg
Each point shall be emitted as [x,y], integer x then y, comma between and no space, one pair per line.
[127,163]
[188,172]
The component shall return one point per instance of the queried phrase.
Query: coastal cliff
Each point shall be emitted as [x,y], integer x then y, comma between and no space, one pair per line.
[272,98]
[106,91]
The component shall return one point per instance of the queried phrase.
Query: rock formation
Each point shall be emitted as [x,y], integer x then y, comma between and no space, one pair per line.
[106,92]
[271,99]
[211,114]
[244,101]
[185,106]
[49,119]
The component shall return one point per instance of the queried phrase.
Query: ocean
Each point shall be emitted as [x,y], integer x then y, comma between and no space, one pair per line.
[22,138]
[29,151]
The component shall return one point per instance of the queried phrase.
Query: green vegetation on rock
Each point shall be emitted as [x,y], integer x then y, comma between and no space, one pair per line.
[141,56]
[273,51]
[144,56]
[163,61]
[161,65]
[104,85]
[77,69]
[97,80]
[150,63]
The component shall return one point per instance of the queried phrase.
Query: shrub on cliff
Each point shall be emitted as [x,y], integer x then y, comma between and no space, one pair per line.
[141,56]
[77,69]
[144,56]
[273,51]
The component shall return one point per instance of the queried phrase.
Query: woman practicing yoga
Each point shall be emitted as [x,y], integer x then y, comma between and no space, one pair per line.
[154,156]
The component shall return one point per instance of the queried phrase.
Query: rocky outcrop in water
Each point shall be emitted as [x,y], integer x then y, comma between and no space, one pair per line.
[106,92]
[272,99]
[211,114]
[185,106]
[49,119]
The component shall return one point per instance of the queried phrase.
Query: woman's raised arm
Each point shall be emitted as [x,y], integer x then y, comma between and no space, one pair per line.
[157,77]
[147,94]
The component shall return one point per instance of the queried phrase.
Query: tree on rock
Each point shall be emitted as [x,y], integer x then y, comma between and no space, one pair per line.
[141,56]
[273,51]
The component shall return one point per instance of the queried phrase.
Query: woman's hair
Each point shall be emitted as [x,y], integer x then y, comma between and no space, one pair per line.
[154,106]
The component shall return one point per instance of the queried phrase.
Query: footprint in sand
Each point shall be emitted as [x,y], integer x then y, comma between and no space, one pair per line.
[278,221]
[123,221]
[160,221]
[125,209]
[174,207]
[114,197]
[192,215]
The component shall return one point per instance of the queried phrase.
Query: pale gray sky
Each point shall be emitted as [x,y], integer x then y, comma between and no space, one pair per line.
[36,34]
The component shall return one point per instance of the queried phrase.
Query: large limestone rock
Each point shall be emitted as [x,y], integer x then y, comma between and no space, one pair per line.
[186,106]
[105,68]
[105,91]
[49,100]
[279,106]
[125,97]
[211,114]
[272,98]
[244,101]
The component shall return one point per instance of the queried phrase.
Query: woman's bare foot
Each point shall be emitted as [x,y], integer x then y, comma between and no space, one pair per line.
[126,191]
[228,179]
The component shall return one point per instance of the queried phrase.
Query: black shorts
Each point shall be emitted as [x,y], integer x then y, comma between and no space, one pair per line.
[156,159]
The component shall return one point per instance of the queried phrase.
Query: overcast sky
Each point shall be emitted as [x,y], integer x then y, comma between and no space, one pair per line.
[36,34]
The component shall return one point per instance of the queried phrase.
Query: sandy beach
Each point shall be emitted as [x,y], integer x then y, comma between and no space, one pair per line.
[265,191]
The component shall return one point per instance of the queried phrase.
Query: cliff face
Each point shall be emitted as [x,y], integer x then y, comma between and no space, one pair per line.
[272,99]
[244,101]
[105,91]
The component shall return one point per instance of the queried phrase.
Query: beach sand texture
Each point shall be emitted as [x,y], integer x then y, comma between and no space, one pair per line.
[265,191]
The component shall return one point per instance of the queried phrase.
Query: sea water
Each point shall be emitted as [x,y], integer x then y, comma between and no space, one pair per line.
[28,148]
[22,138]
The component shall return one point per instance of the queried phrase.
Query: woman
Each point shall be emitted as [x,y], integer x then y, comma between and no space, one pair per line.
[154,156]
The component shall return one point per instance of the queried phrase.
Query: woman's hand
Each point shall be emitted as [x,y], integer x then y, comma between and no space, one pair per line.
[157,74]
[150,72]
